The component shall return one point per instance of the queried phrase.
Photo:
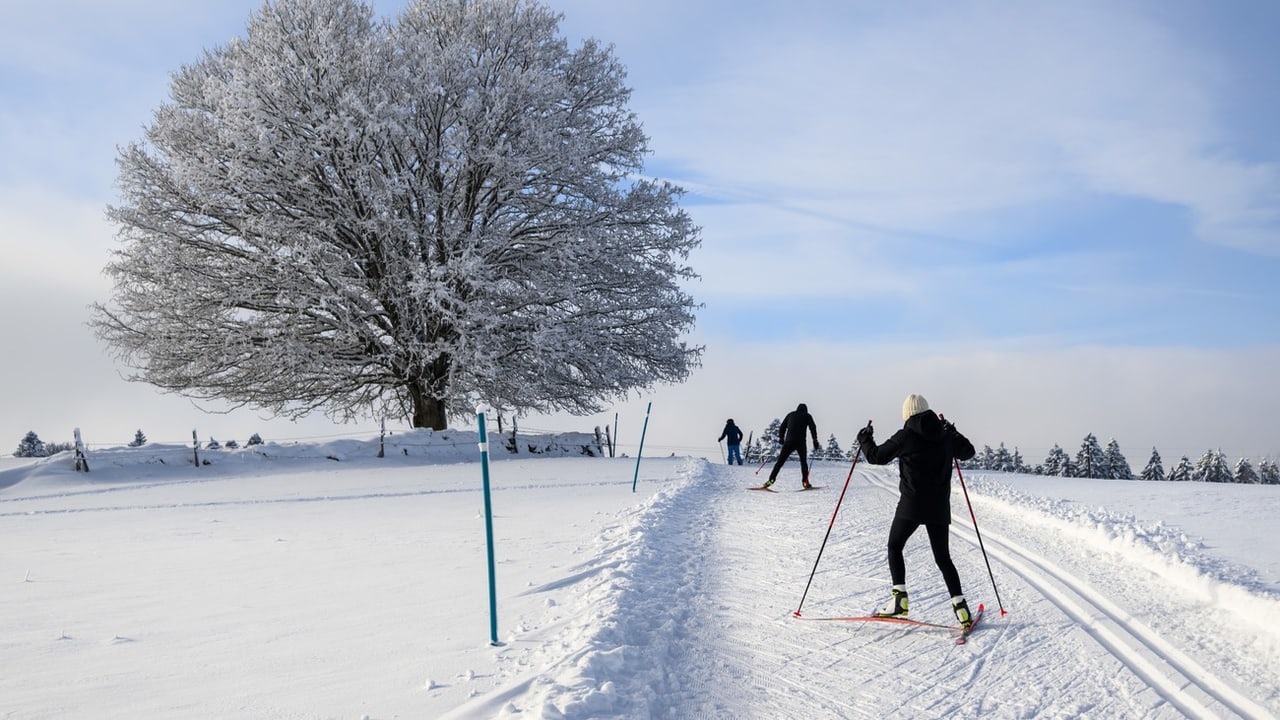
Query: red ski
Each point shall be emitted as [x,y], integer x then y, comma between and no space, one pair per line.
[964,632]
[960,639]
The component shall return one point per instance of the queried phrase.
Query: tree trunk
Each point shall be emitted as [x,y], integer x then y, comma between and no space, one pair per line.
[428,411]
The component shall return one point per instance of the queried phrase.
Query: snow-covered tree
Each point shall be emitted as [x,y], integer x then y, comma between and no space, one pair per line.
[1212,467]
[254,439]
[1116,464]
[1091,461]
[1244,472]
[1183,470]
[985,459]
[1155,467]
[767,445]
[138,440]
[365,217]
[833,451]
[1019,466]
[1056,463]
[1268,472]
[1001,459]
[30,446]
[213,444]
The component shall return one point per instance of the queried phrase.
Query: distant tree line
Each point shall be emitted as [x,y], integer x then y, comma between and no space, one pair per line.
[32,446]
[1090,461]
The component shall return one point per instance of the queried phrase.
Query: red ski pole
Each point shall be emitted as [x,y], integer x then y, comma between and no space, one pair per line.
[856,455]
[981,547]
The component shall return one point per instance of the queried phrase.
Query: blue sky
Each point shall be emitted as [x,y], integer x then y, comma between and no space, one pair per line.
[1050,218]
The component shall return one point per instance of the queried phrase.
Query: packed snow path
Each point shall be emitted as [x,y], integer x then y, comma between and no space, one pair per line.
[705,624]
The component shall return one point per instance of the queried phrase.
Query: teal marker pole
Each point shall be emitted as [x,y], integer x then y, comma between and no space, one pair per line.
[488,527]
[640,452]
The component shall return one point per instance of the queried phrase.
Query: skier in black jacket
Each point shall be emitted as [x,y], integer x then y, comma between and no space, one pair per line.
[734,435]
[925,447]
[791,436]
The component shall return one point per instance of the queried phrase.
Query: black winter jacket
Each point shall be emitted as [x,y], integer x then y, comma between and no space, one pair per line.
[792,430]
[925,452]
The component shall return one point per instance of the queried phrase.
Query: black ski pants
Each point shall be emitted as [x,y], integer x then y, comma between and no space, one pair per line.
[785,453]
[939,540]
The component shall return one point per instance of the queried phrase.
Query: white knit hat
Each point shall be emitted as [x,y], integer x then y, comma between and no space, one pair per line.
[913,405]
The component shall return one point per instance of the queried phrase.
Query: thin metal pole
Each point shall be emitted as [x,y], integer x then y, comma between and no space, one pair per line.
[488,528]
[644,430]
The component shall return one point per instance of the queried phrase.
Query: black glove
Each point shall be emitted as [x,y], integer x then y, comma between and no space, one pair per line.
[816,446]
[866,436]
[949,428]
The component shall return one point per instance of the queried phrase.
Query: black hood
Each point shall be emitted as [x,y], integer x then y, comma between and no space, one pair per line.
[802,408]
[925,424]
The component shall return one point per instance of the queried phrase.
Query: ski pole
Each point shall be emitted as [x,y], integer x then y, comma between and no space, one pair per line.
[721,450]
[974,517]
[856,455]
[766,462]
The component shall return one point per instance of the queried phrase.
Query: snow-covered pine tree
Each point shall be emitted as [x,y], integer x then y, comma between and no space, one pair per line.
[30,446]
[1244,472]
[371,216]
[1070,469]
[769,445]
[1155,467]
[1268,472]
[833,451]
[1001,460]
[985,459]
[1212,467]
[254,439]
[1091,461]
[138,440]
[1117,466]
[1018,465]
[1056,462]
[1183,471]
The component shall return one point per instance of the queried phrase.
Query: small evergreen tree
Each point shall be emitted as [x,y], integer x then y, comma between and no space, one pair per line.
[254,439]
[1018,465]
[833,451]
[213,445]
[986,459]
[138,439]
[31,446]
[1091,461]
[1184,471]
[1212,467]
[1117,466]
[1154,469]
[1268,472]
[1001,460]
[231,445]
[769,445]
[1056,463]
[1244,473]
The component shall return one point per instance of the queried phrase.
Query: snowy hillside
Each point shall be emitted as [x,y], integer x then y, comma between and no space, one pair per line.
[319,581]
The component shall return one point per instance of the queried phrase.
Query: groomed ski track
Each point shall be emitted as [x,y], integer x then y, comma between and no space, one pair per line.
[1090,632]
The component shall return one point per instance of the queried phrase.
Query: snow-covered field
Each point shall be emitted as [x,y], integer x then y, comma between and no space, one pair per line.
[319,581]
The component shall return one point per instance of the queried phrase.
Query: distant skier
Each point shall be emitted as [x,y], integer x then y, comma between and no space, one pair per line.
[734,435]
[925,448]
[791,435]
